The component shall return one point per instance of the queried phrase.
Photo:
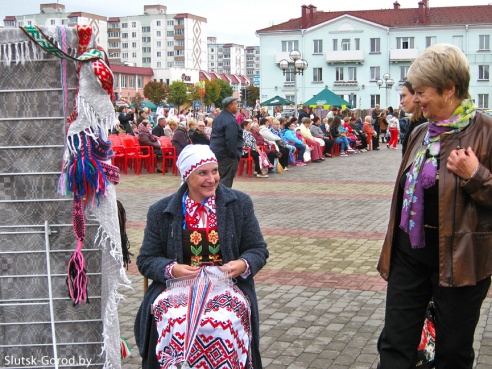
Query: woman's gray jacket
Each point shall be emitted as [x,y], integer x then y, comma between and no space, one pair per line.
[240,237]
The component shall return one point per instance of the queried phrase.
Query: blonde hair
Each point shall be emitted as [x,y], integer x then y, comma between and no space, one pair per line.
[368,119]
[440,66]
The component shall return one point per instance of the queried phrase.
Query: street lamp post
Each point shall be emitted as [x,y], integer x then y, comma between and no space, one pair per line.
[300,65]
[388,83]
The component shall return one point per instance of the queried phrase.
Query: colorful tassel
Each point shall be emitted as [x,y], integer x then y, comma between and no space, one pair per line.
[77,276]
[124,348]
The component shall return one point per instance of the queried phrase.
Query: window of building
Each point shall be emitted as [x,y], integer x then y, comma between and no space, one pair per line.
[339,74]
[352,73]
[484,42]
[113,34]
[458,41]
[134,55]
[159,64]
[132,81]
[170,22]
[212,57]
[375,73]
[170,43]
[483,72]
[53,22]
[140,80]
[146,29]
[170,33]
[158,34]
[180,31]
[124,35]
[64,22]
[159,44]
[403,72]
[317,75]
[180,22]
[114,55]
[357,44]
[180,43]
[123,81]
[170,64]
[146,60]
[318,46]
[124,55]
[158,23]
[146,49]
[212,64]
[290,75]
[134,34]
[114,45]
[335,44]
[375,100]
[145,39]
[124,25]
[483,101]
[29,23]
[124,45]
[134,24]
[179,52]
[345,44]
[21,24]
[404,42]
[116,81]
[170,53]
[134,45]
[158,54]
[430,40]
[288,46]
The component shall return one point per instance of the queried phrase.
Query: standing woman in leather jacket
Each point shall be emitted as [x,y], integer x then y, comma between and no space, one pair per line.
[439,240]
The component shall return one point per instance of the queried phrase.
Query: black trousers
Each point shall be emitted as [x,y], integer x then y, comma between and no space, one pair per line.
[227,170]
[411,285]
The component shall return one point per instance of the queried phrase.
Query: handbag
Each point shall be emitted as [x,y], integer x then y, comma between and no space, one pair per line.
[427,347]
[307,154]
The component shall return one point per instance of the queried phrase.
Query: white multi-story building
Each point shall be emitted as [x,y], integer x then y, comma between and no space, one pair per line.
[55,15]
[252,55]
[349,51]
[225,58]
[173,45]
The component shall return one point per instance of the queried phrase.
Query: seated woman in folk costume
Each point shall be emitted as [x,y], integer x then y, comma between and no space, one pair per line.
[204,225]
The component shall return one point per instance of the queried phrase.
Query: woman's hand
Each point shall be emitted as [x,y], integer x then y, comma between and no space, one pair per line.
[183,270]
[463,163]
[234,267]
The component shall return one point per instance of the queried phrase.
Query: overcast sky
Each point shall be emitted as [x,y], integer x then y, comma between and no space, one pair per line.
[229,21]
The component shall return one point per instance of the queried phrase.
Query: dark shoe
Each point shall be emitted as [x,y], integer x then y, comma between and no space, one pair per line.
[388,146]
[377,148]
[317,161]
[159,171]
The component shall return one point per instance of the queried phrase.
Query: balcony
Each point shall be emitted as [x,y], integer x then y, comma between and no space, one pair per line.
[345,56]
[403,55]
[346,85]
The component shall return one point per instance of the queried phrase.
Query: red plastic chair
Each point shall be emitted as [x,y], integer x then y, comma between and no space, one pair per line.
[131,154]
[146,154]
[168,155]
[249,164]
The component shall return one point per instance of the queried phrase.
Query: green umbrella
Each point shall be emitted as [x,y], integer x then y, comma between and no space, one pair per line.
[277,101]
[149,104]
[327,98]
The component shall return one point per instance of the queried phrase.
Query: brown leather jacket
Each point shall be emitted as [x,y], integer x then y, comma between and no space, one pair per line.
[465,209]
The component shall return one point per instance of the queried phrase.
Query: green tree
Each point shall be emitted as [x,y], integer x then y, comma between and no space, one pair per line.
[178,93]
[194,92]
[155,92]
[254,94]
[225,91]
[212,91]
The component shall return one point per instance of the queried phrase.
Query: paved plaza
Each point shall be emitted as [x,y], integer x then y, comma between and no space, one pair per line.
[321,299]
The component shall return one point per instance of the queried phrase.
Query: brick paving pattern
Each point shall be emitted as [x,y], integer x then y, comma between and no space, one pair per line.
[321,299]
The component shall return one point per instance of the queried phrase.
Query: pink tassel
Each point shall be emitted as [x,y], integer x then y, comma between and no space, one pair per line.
[77,276]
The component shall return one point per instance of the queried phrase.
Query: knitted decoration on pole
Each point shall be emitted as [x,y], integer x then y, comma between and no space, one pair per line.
[86,167]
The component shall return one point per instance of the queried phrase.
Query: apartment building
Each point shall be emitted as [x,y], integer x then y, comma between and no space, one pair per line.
[56,15]
[350,51]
